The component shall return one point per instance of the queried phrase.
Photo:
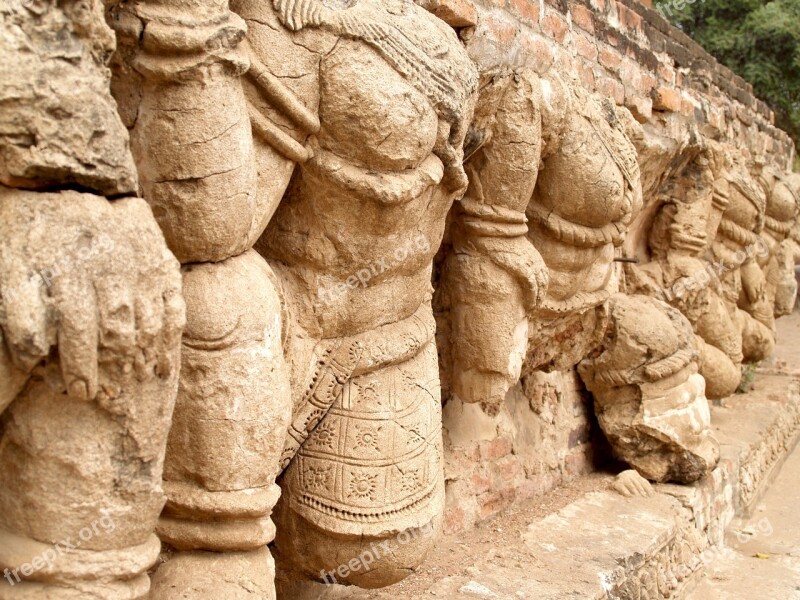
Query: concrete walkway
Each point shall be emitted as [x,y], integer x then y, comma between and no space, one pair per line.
[762,560]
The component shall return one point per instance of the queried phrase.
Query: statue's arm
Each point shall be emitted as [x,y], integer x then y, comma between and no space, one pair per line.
[495,275]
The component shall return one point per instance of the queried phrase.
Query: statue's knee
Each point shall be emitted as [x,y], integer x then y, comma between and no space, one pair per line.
[758,341]
[722,375]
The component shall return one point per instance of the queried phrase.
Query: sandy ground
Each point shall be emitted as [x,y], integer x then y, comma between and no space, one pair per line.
[763,557]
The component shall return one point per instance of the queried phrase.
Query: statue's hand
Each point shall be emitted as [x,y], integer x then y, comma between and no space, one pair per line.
[683,266]
[629,483]
[753,281]
[92,279]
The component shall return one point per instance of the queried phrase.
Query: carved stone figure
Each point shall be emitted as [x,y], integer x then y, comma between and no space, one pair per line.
[91,315]
[794,231]
[629,483]
[778,263]
[649,398]
[737,243]
[554,171]
[343,128]
[676,260]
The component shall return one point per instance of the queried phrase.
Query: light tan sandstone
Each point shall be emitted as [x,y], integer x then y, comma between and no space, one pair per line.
[90,321]
[778,260]
[304,161]
[343,128]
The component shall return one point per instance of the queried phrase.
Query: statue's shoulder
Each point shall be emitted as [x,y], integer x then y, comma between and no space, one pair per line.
[274,36]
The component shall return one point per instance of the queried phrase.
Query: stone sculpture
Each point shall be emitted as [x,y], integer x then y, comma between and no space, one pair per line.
[649,398]
[629,483]
[302,160]
[719,249]
[737,243]
[794,232]
[327,330]
[557,228]
[90,321]
[777,261]
[676,264]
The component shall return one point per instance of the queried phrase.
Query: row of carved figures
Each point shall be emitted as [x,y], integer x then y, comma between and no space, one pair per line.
[249,249]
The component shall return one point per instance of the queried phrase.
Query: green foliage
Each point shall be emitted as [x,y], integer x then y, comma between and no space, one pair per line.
[748,377]
[756,39]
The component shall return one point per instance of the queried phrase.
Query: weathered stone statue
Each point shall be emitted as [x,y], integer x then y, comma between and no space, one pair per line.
[778,263]
[649,398]
[794,231]
[570,214]
[91,315]
[343,128]
[676,263]
[737,244]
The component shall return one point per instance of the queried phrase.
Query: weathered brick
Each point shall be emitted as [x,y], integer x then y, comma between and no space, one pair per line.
[716,118]
[610,88]
[586,75]
[457,13]
[481,483]
[507,470]
[585,47]
[504,31]
[744,116]
[528,11]
[492,39]
[609,58]
[537,53]
[582,17]
[630,72]
[665,98]
[646,84]
[564,60]
[495,502]
[655,37]
[667,73]
[555,27]
[641,107]
[687,108]
[496,448]
[629,19]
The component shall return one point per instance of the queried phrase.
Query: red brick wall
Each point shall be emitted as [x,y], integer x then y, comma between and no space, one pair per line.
[626,51]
